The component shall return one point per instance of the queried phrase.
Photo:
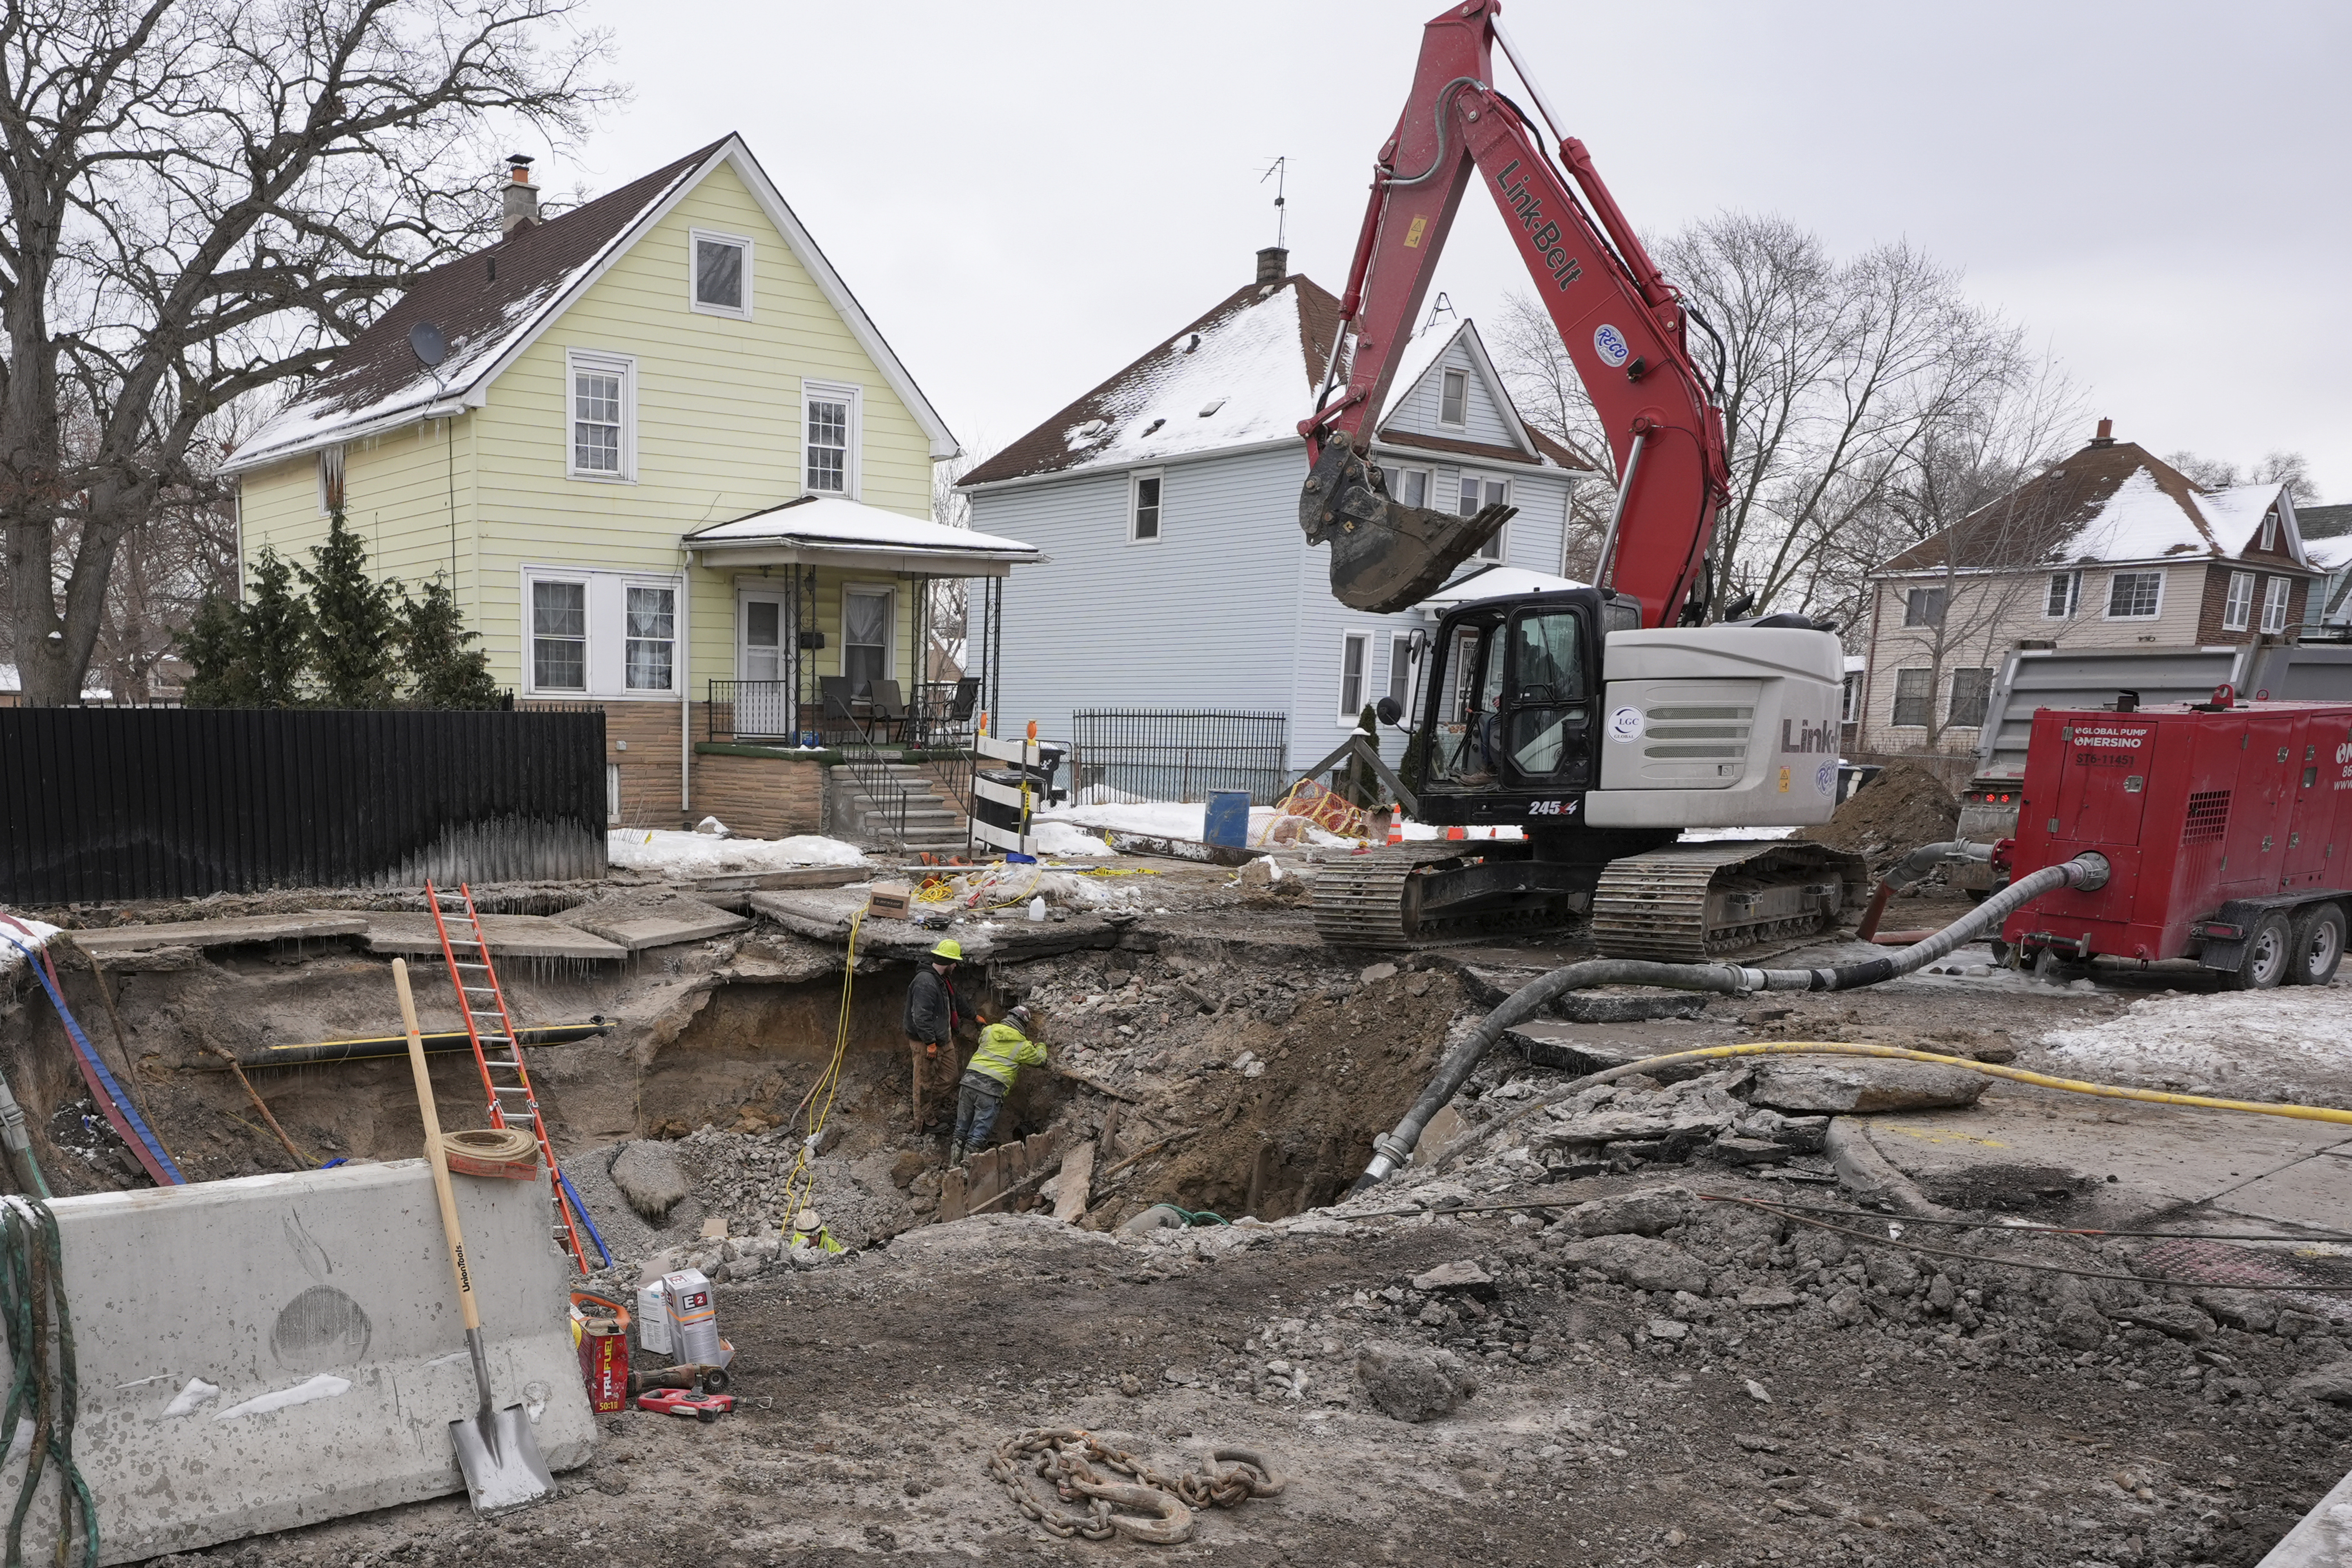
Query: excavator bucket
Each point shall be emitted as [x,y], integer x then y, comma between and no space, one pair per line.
[1385,555]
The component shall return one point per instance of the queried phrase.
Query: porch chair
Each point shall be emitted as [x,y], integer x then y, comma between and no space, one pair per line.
[889,706]
[833,690]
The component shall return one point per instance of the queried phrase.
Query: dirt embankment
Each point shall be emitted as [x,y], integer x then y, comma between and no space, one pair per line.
[1900,809]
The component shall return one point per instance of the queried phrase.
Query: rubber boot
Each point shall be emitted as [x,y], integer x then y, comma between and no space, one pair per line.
[955,1153]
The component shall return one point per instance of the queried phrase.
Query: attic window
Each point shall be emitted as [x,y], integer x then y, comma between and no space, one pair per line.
[1212,406]
[722,275]
[2270,532]
[1453,398]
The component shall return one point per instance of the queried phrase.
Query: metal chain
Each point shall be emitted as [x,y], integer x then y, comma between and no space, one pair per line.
[1064,1458]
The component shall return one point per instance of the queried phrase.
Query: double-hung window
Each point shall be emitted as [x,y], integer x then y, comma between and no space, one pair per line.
[2238,606]
[721,283]
[1355,652]
[1923,608]
[2270,530]
[829,440]
[1915,697]
[1453,398]
[603,393]
[2134,595]
[1408,486]
[2274,592]
[1143,506]
[604,634]
[1478,491]
[1401,673]
[2064,596]
[1971,692]
[559,636]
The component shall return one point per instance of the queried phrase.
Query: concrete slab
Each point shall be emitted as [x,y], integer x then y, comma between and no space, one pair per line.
[333,1285]
[509,936]
[767,881]
[823,914]
[663,928]
[2315,1191]
[2023,1148]
[120,942]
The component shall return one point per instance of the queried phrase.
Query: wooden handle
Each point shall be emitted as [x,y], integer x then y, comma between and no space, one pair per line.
[433,1151]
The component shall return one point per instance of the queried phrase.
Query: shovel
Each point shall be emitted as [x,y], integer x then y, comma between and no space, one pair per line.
[496,1451]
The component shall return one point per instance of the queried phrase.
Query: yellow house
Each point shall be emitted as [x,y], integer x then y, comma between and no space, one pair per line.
[598,430]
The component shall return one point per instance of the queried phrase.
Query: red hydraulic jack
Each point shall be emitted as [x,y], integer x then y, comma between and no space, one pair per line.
[685,1404]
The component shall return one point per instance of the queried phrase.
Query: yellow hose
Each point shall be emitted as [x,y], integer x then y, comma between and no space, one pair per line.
[1991,1069]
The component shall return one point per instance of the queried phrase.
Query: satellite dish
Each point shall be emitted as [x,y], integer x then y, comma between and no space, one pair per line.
[425,342]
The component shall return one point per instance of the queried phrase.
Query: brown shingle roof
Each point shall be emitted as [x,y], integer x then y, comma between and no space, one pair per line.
[2039,521]
[479,302]
[1484,450]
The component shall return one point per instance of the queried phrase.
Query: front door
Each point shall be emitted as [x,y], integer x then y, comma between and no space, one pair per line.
[763,696]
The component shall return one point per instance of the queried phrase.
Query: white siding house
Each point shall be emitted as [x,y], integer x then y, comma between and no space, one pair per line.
[1166,502]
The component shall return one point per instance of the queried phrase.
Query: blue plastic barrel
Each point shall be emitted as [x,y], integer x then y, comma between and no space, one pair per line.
[1226,822]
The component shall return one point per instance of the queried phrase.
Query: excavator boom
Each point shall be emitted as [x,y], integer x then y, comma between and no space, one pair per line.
[1621,323]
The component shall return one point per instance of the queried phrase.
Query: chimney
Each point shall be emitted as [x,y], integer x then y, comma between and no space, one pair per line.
[1273,264]
[521,196]
[2106,435]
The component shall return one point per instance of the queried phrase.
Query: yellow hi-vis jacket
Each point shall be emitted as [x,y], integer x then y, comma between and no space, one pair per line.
[1003,1052]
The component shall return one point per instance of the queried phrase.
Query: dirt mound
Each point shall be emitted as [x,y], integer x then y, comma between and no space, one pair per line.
[1900,809]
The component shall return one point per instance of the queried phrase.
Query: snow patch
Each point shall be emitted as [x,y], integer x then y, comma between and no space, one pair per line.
[2291,1043]
[675,853]
[326,1386]
[22,933]
[196,1395]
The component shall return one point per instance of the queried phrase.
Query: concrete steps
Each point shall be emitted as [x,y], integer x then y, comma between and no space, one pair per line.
[933,823]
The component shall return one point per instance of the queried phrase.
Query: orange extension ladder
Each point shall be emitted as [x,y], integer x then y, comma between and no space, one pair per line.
[505,1080]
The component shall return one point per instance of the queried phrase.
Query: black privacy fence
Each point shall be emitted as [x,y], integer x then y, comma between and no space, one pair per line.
[100,804]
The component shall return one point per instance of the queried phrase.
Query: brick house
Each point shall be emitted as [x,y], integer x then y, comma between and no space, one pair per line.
[2108,547]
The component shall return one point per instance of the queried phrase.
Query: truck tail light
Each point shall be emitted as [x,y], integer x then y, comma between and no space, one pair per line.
[2222,931]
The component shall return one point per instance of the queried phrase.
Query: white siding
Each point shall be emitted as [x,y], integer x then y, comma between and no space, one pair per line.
[1416,408]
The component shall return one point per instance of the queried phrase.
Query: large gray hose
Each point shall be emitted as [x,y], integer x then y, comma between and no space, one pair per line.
[1393,1148]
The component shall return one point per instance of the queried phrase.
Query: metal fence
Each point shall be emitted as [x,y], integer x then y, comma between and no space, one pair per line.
[103,804]
[1170,754]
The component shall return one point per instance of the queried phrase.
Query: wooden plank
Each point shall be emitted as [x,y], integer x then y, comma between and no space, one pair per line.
[1078,1180]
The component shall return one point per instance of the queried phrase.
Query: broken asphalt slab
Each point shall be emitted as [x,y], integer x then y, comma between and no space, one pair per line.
[664,927]
[123,947]
[824,915]
[509,936]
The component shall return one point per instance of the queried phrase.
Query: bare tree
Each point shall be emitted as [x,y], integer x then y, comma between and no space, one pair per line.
[204,199]
[1545,388]
[950,621]
[2292,469]
[1835,376]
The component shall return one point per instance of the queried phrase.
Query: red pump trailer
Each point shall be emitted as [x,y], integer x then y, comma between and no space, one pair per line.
[2228,826]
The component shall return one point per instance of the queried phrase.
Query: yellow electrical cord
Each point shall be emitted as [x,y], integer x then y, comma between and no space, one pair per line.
[1991,1069]
[797,1191]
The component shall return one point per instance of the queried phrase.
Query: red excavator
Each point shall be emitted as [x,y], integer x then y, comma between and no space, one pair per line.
[1602,720]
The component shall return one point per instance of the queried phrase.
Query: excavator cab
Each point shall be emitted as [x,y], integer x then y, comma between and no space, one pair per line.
[1510,699]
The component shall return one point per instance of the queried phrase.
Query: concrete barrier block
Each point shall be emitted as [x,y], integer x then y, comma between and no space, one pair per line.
[271,1352]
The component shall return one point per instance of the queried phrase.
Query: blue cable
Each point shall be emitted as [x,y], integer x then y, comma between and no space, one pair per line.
[89,1054]
[582,1210]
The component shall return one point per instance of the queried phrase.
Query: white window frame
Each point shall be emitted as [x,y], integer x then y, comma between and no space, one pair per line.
[1444,377]
[1501,542]
[1895,718]
[888,594]
[1396,477]
[2276,592]
[1850,699]
[2270,530]
[1952,698]
[693,299]
[574,362]
[331,460]
[2074,596]
[530,633]
[1136,480]
[2114,578]
[1943,606]
[606,659]
[2238,608]
[1401,658]
[1361,642]
[836,392]
[676,639]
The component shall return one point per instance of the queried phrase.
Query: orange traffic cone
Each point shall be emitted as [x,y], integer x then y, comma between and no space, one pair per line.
[1396,827]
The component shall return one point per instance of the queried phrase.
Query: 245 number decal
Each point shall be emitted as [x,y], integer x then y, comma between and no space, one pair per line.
[1551,808]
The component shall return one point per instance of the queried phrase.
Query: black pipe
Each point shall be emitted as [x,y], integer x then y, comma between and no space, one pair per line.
[378,1046]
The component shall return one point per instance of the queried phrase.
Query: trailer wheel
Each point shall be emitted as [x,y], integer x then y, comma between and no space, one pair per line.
[2269,954]
[2318,944]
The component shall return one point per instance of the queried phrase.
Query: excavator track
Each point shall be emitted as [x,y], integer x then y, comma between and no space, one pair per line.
[1367,900]
[1687,903]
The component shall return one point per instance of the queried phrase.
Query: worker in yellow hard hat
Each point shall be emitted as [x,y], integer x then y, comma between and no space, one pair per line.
[1005,1048]
[932,1020]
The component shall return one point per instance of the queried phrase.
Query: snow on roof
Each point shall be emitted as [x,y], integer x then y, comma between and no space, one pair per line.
[2329,554]
[2139,523]
[1421,352]
[1237,380]
[1495,582]
[2234,513]
[835,523]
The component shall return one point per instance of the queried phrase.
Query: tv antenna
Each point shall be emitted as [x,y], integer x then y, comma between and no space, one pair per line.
[1278,173]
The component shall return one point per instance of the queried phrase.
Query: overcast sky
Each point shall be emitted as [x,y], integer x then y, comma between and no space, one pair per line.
[1027,197]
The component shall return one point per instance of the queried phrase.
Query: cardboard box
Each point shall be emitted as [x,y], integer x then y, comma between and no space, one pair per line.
[895,900]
